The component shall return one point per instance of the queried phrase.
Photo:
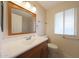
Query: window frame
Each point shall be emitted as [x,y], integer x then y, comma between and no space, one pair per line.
[75,24]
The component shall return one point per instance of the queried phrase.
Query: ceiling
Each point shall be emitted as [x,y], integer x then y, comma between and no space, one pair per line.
[47,4]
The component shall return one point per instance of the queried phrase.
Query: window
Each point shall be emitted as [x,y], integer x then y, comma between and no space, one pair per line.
[65,22]
[59,23]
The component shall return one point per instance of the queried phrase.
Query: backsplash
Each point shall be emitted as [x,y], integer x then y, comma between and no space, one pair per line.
[20,36]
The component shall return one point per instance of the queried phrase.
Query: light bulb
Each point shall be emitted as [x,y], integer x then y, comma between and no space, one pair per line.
[34,9]
[27,5]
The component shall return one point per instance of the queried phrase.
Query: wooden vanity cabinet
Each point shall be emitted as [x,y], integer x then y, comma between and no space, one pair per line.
[40,51]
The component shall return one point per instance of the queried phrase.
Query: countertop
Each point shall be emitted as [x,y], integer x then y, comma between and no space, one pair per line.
[19,46]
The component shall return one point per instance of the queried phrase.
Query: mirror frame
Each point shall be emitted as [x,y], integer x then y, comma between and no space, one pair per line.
[12,5]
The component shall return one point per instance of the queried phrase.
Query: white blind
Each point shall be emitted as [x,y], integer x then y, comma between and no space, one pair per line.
[59,23]
[69,22]
[65,22]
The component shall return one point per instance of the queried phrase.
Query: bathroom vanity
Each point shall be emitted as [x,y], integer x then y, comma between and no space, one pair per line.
[19,47]
[40,51]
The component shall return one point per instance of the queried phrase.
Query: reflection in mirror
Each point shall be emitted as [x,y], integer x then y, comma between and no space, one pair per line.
[22,22]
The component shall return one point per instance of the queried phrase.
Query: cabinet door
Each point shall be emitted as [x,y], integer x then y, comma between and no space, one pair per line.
[44,51]
[35,54]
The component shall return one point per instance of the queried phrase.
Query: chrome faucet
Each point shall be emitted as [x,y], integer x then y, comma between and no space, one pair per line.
[28,38]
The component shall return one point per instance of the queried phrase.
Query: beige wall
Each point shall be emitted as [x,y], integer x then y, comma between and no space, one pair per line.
[69,47]
[40,18]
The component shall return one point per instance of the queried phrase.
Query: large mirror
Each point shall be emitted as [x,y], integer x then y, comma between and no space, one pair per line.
[21,21]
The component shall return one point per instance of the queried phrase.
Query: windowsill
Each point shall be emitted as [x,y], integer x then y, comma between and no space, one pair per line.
[67,36]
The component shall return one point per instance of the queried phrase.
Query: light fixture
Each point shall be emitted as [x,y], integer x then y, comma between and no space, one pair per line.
[33,9]
[28,5]
[17,2]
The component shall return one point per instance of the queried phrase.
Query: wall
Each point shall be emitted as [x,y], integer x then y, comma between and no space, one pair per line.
[40,18]
[68,47]
[40,27]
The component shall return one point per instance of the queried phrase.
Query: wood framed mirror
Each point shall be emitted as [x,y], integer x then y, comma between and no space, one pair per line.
[20,20]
